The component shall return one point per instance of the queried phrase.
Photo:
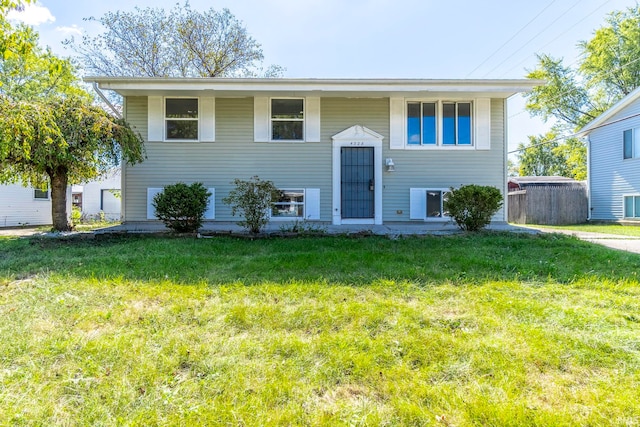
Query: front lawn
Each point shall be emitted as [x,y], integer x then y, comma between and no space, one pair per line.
[491,329]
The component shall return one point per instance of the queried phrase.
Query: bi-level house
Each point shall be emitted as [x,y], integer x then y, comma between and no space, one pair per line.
[343,151]
[613,161]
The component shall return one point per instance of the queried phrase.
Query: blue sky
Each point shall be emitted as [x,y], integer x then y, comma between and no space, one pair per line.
[382,38]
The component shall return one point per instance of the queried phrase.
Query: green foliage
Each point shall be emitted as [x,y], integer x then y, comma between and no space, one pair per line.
[607,71]
[181,42]
[252,199]
[76,216]
[61,141]
[181,207]
[550,155]
[472,206]
[503,330]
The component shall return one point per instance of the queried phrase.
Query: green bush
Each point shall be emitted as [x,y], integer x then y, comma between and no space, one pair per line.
[252,199]
[181,207]
[472,206]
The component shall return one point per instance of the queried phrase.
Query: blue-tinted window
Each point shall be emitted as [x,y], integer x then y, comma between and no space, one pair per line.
[464,123]
[413,123]
[449,124]
[628,207]
[429,123]
[628,144]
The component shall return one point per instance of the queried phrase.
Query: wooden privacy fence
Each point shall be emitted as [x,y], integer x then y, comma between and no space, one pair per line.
[550,205]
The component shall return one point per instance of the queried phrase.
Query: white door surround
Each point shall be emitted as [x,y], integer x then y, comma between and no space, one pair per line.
[357,136]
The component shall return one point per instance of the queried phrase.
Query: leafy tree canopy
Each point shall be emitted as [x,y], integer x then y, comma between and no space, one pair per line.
[178,43]
[609,70]
[61,141]
[550,155]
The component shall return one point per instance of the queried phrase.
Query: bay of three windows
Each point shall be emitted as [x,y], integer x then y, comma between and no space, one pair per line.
[439,123]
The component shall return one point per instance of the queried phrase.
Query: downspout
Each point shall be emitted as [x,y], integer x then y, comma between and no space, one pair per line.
[106,101]
[588,177]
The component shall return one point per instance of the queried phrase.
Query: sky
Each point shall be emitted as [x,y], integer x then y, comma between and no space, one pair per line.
[491,39]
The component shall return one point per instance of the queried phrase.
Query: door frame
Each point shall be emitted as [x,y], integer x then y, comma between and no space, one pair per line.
[357,136]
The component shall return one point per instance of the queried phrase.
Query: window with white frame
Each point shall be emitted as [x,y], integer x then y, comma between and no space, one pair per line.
[435,203]
[632,206]
[631,144]
[41,194]
[181,119]
[439,123]
[290,205]
[287,119]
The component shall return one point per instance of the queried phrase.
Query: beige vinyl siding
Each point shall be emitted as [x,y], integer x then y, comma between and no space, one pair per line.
[444,168]
[304,165]
[233,155]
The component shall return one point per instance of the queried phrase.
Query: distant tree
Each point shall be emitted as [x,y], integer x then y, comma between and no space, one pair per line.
[13,41]
[183,42]
[550,155]
[59,141]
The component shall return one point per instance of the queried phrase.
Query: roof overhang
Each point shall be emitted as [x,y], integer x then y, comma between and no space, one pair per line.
[603,118]
[233,87]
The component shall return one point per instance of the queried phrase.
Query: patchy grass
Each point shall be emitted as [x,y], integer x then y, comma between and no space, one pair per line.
[623,230]
[489,329]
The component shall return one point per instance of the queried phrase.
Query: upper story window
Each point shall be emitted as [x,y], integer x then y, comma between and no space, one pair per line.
[181,119]
[631,144]
[287,119]
[41,194]
[439,123]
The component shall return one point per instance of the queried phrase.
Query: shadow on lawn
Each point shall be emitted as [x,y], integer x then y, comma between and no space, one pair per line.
[462,258]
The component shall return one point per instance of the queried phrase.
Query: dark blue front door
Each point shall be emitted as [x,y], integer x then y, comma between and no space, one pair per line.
[357,182]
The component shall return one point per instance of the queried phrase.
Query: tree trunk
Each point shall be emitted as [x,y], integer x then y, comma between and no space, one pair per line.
[59,180]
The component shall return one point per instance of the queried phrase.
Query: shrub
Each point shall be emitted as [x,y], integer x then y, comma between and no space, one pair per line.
[181,207]
[252,199]
[472,206]
[76,216]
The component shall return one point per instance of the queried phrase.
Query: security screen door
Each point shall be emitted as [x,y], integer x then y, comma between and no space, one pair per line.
[357,182]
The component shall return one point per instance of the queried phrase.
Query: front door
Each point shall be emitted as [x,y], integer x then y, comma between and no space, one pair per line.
[357,182]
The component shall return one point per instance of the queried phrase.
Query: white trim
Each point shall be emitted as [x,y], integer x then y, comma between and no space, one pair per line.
[482,123]
[261,119]
[210,212]
[397,123]
[155,118]
[357,136]
[418,204]
[303,120]
[151,193]
[184,119]
[207,116]
[312,119]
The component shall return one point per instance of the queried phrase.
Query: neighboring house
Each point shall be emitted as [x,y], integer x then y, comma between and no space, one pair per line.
[343,151]
[613,160]
[25,206]
[102,197]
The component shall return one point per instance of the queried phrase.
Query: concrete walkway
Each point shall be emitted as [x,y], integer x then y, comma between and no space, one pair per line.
[614,241]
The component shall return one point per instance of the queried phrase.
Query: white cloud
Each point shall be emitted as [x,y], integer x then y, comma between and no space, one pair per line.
[70,30]
[33,14]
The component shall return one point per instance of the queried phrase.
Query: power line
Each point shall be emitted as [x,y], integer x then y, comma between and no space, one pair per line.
[560,35]
[573,135]
[512,37]
[533,38]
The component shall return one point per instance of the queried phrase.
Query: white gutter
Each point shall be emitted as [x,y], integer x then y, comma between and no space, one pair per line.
[106,101]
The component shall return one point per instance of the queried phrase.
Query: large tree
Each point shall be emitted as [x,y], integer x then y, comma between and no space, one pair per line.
[608,70]
[50,133]
[549,155]
[182,42]
[61,141]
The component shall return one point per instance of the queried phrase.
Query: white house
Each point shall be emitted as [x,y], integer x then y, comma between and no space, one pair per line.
[343,151]
[613,158]
[25,206]
[103,197]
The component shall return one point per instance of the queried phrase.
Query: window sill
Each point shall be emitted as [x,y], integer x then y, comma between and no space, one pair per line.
[441,147]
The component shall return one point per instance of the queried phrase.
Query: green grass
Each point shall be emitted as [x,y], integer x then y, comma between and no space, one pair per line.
[491,329]
[623,230]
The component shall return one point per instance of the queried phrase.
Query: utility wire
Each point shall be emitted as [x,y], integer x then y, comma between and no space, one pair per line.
[573,135]
[512,37]
[534,37]
[560,35]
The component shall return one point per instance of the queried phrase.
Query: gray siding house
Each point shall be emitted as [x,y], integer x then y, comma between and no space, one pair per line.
[343,151]
[613,159]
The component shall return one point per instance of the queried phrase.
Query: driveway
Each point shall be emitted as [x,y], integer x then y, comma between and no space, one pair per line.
[614,241]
